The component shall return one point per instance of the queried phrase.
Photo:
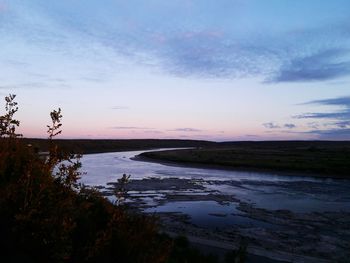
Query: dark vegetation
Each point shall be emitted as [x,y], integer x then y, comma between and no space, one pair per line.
[327,158]
[99,146]
[47,216]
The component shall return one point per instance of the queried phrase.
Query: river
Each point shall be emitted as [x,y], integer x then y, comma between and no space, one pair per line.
[254,205]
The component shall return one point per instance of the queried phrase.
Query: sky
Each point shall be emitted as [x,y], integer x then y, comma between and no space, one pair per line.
[186,69]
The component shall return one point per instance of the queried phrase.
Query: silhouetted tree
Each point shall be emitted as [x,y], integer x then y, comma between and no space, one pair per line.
[7,122]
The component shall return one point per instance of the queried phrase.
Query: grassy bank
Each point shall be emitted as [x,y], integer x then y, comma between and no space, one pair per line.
[324,158]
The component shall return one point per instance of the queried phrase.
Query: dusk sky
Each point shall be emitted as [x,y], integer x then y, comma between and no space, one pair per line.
[187,69]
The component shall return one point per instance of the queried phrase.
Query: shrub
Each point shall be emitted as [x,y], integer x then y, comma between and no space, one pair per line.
[46,216]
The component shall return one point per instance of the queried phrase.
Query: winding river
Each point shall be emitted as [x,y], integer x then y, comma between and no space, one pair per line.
[259,206]
[265,190]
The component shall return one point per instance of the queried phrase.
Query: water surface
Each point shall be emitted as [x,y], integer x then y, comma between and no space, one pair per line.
[264,190]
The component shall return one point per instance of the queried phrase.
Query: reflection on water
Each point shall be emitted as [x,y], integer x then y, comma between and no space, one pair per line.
[264,190]
[210,214]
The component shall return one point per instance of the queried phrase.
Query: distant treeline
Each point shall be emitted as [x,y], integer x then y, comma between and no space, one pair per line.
[109,145]
[85,146]
[289,144]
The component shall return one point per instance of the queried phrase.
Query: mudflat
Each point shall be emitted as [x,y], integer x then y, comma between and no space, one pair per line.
[208,217]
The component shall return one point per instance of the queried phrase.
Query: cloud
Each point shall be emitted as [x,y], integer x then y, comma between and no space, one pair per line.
[341,114]
[279,57]
[289,126]
[26,85]
[313,125]
[325,134]
[120,108]
[154,132]
[336,124]
[187,46]
[324,115]
[186,130]
[340,101]
[342,124]
[214,54]
[323,65]
[95,79]
[218,54]
[332,134]
[271,125]
[129,128]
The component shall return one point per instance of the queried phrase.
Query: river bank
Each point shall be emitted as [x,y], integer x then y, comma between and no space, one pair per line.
[185,164]
[321,159]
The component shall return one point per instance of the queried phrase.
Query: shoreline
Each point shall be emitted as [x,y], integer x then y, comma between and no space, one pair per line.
[238,169]
[269,236]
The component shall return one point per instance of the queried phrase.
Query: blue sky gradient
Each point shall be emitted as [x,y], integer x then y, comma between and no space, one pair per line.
[217,70]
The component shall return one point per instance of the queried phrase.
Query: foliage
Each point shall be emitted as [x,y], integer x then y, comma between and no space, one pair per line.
[7,123]
[183,252]
[46,217]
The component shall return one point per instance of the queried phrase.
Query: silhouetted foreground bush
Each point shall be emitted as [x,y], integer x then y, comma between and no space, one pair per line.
[46,216]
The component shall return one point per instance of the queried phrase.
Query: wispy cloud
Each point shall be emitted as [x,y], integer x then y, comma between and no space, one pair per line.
[154,132]
[95,79]
[186,130]
[342,124]
[31,85]
[323,65]
[221,55]
[342,113]
[341,101]
[183,46]
[330,125]
[313,125]
[275,129]
[332,134]
[289,126]
[120,108]
[210,54]
[271,125]
[129,128]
